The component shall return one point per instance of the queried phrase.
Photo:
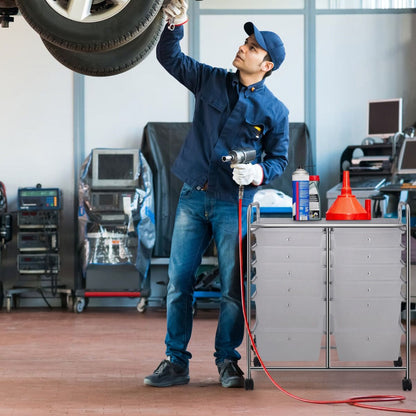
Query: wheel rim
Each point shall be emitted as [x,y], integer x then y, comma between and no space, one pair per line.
[88,11]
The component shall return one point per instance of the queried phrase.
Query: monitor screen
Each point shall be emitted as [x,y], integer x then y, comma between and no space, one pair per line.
[115,168]
[384,118]
[406,164]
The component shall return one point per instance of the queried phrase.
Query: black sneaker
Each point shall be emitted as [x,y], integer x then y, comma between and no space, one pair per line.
[168,374]
[230,374]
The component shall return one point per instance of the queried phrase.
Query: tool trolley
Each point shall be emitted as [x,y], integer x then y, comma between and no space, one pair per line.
[326,295]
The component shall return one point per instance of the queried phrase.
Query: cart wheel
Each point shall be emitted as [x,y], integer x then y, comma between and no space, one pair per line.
[256,362]
[249,384]
[70,302]
[407,384]
[79,305]
[398,362]
[142,305]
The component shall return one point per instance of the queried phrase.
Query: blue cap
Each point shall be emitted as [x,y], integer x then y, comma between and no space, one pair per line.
[270,42]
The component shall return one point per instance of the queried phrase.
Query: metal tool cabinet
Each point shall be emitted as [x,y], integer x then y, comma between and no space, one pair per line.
[351,277]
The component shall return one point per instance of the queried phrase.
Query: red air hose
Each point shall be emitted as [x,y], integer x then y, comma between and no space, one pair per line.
[354,401]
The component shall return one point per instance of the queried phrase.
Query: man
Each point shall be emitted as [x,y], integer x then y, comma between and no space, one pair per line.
[232,111]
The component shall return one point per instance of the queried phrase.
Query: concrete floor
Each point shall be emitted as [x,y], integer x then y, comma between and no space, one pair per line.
[55,362]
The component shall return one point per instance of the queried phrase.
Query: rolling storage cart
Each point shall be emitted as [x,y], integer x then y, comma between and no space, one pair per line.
[328,294]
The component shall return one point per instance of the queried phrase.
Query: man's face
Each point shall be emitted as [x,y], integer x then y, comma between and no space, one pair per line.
[250,56]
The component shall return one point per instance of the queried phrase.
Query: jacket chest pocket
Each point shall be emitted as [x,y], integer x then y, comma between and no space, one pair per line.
[252,132]
[214,102]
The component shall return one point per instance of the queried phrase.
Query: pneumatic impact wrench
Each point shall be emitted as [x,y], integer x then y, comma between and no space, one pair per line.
[240,156]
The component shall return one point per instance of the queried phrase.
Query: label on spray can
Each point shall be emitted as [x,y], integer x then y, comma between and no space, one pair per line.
[314,199]
[300,198]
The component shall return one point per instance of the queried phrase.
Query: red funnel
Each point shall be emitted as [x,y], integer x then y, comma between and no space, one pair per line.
[346,206]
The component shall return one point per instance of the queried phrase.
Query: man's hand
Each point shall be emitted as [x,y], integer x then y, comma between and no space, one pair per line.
[175,12]
[245,174]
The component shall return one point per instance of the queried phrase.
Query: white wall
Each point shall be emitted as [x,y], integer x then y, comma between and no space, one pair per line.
[36,114]
[117,108]
[36,128]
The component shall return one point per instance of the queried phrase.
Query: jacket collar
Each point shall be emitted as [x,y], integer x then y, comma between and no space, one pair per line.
[258,86]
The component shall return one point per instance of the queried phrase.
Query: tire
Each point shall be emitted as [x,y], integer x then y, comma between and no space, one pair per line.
[114,61]
[103,28]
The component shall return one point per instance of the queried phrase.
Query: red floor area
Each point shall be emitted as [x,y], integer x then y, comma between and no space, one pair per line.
[61,363]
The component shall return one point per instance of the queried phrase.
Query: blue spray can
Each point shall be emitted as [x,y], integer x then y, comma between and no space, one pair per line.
[300,198]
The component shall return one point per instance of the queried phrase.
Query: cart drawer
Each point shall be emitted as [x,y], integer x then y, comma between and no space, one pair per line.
[289,345]
[290,237]
[366,255]
[291,288]
[274,312]
[286,271]
[360,272]
[384,289]
[382,237]
[289,255]
[381,314]
[368,346]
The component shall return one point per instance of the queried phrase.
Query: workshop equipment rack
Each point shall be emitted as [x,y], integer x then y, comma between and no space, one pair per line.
[324,330]
[38,258]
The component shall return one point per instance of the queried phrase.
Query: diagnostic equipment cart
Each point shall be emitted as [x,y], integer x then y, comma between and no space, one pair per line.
[116,227]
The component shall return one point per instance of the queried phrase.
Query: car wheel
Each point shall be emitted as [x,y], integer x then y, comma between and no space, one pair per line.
[89,25]
[114,61]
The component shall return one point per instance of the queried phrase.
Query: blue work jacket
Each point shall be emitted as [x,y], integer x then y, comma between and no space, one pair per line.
[228,116]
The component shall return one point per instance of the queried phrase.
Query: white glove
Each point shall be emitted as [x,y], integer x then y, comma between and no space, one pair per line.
[175,12]
[246,173]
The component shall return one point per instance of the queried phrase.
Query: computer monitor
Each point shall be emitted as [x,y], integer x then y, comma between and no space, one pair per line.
[115,168]
[384,118]
[406,164]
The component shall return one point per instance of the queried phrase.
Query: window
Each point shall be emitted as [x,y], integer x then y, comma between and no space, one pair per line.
[249,4]
[365,4]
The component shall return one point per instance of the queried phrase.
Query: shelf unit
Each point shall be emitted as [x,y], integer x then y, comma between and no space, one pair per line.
[350,277]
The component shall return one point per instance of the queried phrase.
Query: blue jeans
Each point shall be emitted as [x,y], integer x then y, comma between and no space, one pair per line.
[199,218]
